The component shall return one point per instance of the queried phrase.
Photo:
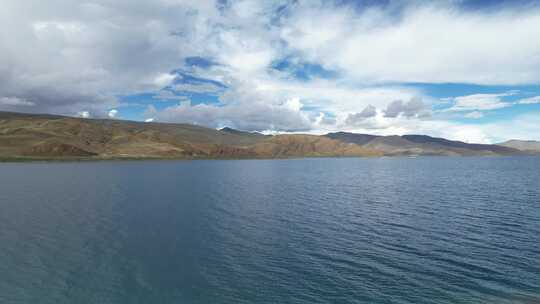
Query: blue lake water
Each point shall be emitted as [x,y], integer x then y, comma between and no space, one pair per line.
[377,230]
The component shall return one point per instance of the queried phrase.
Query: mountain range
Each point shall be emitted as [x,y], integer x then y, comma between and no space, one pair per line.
[43,136]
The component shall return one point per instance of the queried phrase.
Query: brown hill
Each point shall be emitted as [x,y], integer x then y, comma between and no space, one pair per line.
[49,136]
[309,145]
[30,136]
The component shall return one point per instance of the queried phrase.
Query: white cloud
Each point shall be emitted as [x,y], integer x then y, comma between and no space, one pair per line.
[480,102]
[112,113]
[293,104]
[197,87]
[381,125]
[323,120]
[466,133]
[45,28]
[474,115]
[327,95]
[257,115]
[357,118]
[149,120]
[523,127]
[427,43]
[15,101]
[66,56]
[413,108]
[83,114]
[530,100]
[163,80]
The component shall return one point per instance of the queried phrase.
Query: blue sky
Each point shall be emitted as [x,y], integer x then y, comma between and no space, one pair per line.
[465,70]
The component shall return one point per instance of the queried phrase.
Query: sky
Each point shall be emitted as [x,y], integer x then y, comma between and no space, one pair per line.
[463,70]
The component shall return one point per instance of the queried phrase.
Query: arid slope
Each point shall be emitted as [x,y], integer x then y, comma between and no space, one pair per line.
[29,136]
[48,136]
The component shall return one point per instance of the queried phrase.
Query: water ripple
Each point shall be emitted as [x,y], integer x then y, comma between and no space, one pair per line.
[424,230]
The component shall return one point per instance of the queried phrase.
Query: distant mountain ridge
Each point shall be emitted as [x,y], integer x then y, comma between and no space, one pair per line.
[36,136]
[422,145]
[523,145]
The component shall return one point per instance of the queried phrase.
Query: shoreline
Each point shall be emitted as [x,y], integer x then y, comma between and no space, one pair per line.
[4,160]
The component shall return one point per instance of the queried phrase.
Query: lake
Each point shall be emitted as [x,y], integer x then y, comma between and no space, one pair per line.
[349,230]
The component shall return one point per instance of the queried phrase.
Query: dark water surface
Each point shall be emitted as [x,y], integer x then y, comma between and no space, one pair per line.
[382,230]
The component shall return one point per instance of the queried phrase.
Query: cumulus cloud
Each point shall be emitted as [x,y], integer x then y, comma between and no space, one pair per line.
[112,113]
[367,112]
[257,117]
[413,108]
[65,56]
[324,120]
[73,57]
